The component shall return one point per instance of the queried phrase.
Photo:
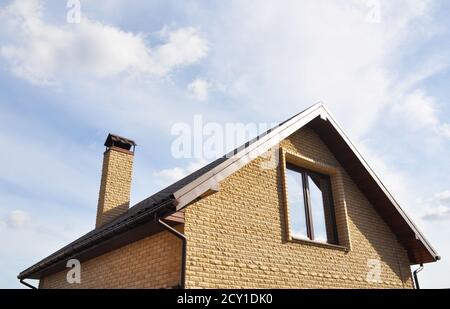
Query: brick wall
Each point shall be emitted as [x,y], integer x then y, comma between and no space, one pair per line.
[237,237]
[153,262]
[114,196]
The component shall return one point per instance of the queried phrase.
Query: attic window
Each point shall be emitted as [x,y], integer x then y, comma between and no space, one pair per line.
[311,212]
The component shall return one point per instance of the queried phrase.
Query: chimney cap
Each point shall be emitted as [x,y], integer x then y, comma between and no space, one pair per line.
[118,141]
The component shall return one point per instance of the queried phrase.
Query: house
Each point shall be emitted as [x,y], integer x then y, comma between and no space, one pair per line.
[319,218]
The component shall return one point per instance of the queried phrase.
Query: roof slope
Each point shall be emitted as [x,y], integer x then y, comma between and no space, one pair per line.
[185,191]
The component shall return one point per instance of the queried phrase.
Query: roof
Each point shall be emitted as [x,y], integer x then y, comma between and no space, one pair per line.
[136,222]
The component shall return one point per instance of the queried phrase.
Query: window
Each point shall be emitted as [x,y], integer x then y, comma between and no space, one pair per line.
[311,212]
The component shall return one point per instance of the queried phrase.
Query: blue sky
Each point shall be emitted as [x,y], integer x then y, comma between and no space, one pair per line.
[138,67]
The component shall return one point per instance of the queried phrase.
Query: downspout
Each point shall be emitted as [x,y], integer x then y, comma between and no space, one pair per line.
[182,237]
[27,284]
[416,279]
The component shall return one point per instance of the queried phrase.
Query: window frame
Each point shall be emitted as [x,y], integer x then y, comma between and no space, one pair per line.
[327,202]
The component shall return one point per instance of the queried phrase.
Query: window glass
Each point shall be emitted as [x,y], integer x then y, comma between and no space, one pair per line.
[310,205]
[296,204]
[317,189]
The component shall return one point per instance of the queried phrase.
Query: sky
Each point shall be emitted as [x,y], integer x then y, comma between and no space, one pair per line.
[136,68]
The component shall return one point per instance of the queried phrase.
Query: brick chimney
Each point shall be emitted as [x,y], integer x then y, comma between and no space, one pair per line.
[115,186]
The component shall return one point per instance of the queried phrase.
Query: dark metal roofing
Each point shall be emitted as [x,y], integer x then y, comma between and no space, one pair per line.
[145,208]
[418,249]
[119,141]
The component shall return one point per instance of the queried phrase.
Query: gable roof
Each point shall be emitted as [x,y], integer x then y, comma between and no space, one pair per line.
[138,221]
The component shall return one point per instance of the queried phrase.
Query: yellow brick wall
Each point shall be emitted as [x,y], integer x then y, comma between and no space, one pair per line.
[237,237]
[153,262]
[114,196]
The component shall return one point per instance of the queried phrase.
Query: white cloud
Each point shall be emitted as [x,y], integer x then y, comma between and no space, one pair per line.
[443,197]
[280,59]
[44,53]
[34,230]
[183,47]
[438,208]
[198,89]
[437,213]
[444,129]
[168,176]
[419,111]
[17,219]
[396,181]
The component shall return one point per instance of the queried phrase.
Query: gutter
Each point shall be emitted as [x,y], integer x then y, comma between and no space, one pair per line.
[182,237]
[28,285]
[416,279]
[96,238]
